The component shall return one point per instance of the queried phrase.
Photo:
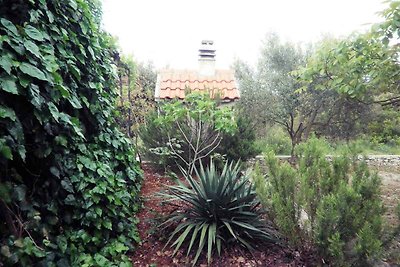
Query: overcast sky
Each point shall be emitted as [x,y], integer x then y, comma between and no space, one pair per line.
[169,32]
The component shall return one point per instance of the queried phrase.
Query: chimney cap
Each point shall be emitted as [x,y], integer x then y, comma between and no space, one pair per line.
[207,42]
[207,50]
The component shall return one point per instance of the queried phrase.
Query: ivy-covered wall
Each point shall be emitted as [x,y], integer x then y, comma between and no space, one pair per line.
[68,178]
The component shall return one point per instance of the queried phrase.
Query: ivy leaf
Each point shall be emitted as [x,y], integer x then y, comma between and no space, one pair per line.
[98,211]
[92,85]
[63,90]
[75,71]
[67,185]
[100,260]
[24,81]
[54,111]
[55,171]
[5,150]
[22,152]
[90,49]
[84,28]
[5,251]
[19,48]
[49,61]
[69,200]
[50,16]
[73,4]
[107,224]
[77,127]
[9,26]
[63,262]
[32,71]
[6,63]
[6,112]
[57,77]
[20,192]
[34,33]
[61,140]
[32,47]
[8,84]
[74,101]
[62,243]
[37,99]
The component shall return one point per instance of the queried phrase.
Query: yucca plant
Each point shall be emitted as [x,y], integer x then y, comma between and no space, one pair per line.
[216,208]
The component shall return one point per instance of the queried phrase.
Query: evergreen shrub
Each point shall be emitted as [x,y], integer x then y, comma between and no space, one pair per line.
[334,205]
[241,144]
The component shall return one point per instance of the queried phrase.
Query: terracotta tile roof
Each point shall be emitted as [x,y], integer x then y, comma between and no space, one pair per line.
[174,83]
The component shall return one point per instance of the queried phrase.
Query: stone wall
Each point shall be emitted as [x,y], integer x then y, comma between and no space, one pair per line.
[373,160]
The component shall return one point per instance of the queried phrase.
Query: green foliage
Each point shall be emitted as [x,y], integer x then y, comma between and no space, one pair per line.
[334,204]
[191,129]
[272,92]
[135,99]
[282,202]
[276,140]
[216,209]
[155,140]
[241,144]
[68,177]
[386,128]
[335,248]
[366,145]
[199,107]
[389,29]
[362,66]
[367,246]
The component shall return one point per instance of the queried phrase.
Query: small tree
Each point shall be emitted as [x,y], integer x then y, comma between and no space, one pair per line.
[272,91]
[199,123]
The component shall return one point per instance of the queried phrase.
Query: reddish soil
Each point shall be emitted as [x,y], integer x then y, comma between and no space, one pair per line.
[151,252]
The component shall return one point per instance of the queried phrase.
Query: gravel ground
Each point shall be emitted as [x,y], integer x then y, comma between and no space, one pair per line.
[391,196]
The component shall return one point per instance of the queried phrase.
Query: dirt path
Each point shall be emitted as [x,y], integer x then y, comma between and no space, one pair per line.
[391,196]
[390,193]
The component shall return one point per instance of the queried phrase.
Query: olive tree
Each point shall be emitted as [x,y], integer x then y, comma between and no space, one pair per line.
[272,91]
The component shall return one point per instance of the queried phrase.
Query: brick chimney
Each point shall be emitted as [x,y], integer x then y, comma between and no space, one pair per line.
[207,58]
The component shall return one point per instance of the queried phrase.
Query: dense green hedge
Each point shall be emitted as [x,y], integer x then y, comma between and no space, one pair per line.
[241,144]
[334,206]
[68,178]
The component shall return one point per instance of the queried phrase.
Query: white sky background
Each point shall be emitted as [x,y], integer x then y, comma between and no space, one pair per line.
[169,32]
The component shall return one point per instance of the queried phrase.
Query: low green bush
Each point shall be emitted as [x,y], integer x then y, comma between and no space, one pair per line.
[214,210]
[335,206]
[241,144]
[367,145]
[275,140]
[385,128]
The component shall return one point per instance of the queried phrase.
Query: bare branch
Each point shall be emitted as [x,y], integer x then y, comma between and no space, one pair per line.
[175,152]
